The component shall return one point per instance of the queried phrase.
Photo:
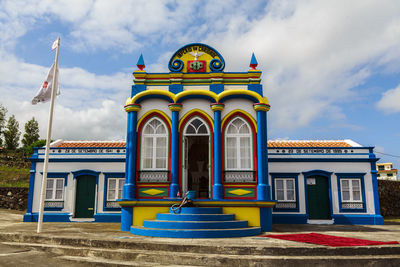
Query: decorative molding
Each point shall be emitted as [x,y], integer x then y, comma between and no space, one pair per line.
[132,107]
[153,176]
[239,176]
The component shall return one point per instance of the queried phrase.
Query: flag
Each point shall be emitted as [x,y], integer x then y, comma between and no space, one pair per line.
[54,45]
[44,93]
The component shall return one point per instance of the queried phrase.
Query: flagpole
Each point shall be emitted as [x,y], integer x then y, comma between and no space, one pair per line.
[48,140]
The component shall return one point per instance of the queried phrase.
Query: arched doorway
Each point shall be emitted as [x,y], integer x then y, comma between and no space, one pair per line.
[196,157]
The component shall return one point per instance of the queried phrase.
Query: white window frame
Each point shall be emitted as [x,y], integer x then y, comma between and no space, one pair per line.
[189,123]
[118,182]
[154,137]
[285,189]
[350,180]
[54,188]
[237,136]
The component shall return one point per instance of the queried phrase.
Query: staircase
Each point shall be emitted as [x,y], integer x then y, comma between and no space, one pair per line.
[193,222]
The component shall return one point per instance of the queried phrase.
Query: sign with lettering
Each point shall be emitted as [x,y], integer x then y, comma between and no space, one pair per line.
[87,150]
[315,151]
[196,58]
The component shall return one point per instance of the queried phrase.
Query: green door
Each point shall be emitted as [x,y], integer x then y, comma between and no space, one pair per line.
[85,195]
[318,198]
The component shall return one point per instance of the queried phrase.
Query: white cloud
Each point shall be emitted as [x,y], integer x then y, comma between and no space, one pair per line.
[90,106]
[390,101]
[312,53]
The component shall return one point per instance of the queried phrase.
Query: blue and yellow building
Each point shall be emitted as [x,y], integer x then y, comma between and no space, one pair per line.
[199,128]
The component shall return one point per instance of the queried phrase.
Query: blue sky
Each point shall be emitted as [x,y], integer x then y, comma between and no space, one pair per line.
[330,68]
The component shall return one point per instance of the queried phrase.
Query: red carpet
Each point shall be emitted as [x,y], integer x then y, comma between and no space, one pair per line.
[329,240]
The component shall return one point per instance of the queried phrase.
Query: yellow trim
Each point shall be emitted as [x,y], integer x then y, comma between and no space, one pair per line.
[128,101]
[200,203]
[152,92]
[199,111]
[151,202]
[131,107]
[196,92]
[218,107]
[154,111]
[240,92]
[175,108]
[241,111]
[234,203]
[261,107]
[217,98]
[146,213]
[250,214]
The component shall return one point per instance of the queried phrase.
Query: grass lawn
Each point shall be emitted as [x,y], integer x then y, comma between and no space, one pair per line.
[14,177]
[392,219]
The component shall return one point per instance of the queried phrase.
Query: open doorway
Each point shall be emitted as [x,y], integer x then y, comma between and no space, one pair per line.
[196,167]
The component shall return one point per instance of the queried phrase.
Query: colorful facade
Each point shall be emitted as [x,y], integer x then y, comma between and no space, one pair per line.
[198,128]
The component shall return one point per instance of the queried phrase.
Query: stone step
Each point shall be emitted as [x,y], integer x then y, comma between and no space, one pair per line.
[294,249]
[194,224]
[128,257]
[195,233]
[196,210]
[98,262]
[195,217]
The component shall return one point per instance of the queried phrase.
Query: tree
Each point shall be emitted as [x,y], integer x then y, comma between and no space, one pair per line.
[31,132]
[3,112]
[12,134]
[38,143]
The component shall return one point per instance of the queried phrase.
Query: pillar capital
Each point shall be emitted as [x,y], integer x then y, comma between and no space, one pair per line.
[175,106]
[261,107]
[217,106]
[132,107]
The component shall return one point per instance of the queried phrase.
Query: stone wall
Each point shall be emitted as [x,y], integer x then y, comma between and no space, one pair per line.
[389,197]
[15,198]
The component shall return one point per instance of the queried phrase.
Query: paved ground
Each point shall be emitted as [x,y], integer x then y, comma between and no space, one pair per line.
[11,222]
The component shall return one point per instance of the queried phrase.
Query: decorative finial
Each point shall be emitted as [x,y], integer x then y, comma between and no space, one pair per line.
[253,62]
[140,63]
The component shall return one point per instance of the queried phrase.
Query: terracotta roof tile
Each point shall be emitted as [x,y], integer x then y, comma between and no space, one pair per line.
[91,144]
[271,143]
[308,143]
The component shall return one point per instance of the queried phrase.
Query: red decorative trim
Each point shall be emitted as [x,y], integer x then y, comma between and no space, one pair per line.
[139,139]
[223,127]
[180,130]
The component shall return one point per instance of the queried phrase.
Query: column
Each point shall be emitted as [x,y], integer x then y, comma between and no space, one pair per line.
[129,189]
[263,187]
[217,186]
[174,186]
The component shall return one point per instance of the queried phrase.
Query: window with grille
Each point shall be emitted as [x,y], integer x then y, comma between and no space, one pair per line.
[285,189]
[114,188]
[55,189]
[154,145]
[238,145]
[351,190]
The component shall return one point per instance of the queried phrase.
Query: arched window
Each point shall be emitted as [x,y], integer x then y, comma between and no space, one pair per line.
[154,145]
[196,127]
[238,145]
